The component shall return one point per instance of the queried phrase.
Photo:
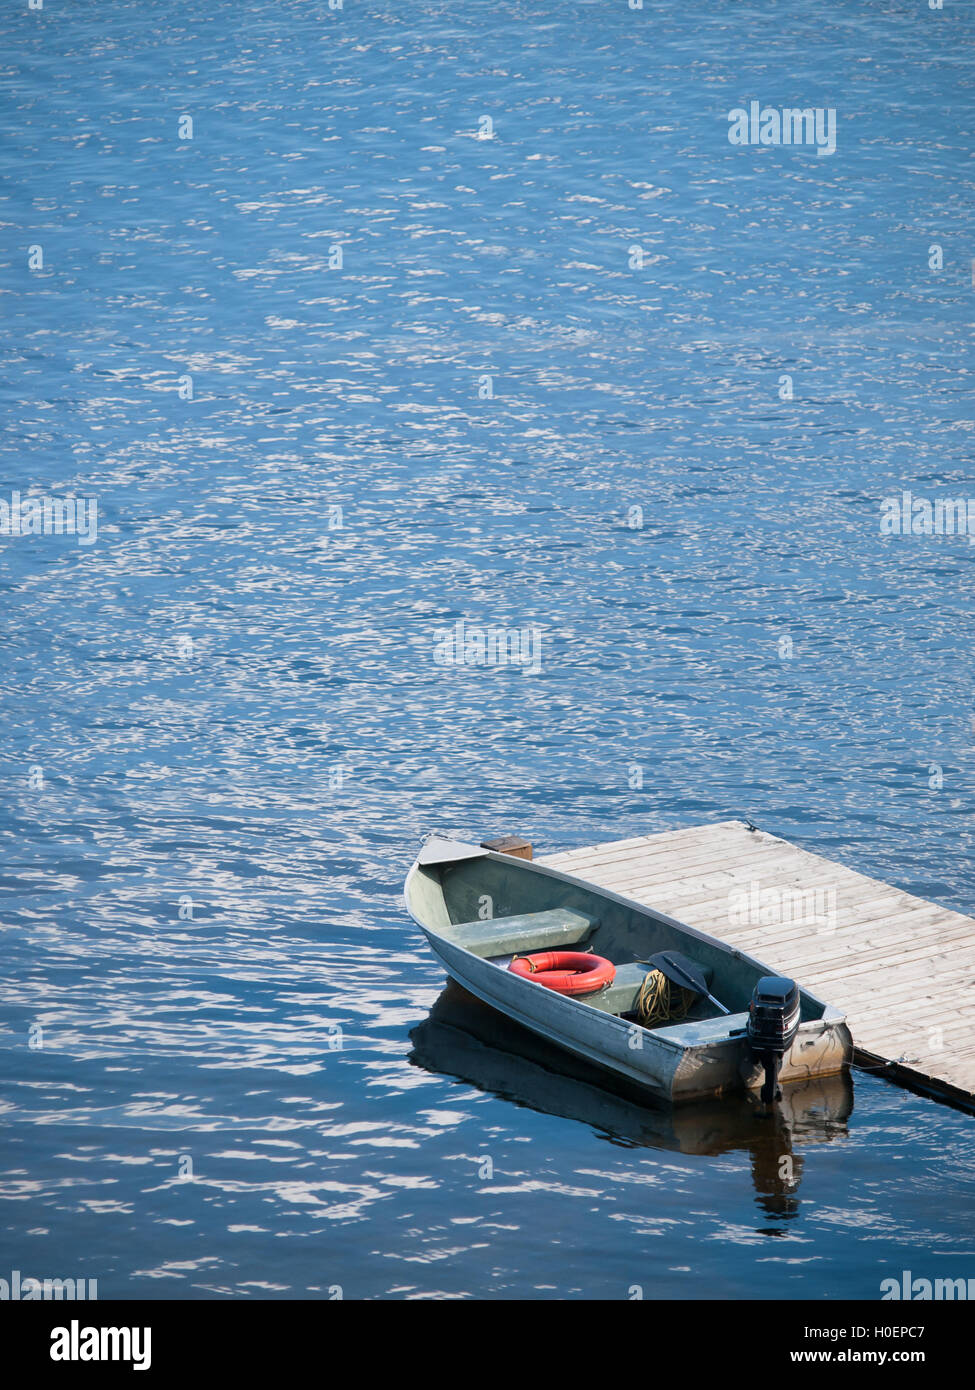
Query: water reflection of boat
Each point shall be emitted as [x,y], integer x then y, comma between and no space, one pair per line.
[463,1037]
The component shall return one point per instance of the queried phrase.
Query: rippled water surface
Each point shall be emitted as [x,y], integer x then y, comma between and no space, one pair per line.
[224,731]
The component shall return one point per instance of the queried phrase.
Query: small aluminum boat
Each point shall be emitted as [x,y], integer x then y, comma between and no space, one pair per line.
[479,909]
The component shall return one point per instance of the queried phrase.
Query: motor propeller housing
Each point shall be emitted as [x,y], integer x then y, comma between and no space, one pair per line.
[773,1022]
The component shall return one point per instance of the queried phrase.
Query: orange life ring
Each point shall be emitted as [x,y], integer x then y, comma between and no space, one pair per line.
[567,972]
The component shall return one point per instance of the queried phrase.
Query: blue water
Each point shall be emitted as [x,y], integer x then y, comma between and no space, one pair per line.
[224,731]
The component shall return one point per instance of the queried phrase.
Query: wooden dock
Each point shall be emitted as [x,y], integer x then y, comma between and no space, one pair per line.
[903,969]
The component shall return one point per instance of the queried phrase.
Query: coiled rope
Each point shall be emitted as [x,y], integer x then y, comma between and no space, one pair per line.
[661,1001]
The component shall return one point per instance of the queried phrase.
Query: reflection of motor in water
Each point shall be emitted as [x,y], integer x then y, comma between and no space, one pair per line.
[776,1170]
[466,1038]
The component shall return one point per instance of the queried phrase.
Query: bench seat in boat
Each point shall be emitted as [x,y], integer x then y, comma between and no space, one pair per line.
[531,931]
[620,997]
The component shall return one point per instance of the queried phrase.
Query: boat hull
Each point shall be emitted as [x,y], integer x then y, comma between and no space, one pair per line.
[468,1039]
[667,1070]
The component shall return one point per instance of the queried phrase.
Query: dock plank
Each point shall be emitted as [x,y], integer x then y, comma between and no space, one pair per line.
[902,968]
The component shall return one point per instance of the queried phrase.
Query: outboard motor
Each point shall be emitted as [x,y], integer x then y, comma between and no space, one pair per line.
[773,1022]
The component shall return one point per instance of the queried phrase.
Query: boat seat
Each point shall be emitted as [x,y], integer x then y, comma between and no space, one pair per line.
[620,997]
[531,931]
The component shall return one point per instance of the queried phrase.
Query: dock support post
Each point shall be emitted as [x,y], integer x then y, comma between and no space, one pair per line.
[509,844]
